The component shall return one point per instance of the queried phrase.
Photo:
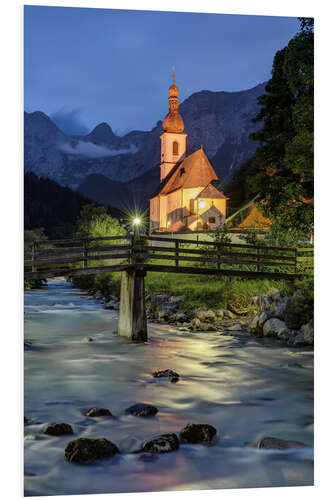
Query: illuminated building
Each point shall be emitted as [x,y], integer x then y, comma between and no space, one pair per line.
[189,197]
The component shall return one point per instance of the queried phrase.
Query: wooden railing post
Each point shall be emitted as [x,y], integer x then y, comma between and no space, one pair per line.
[295,256]
[258,259]
[177,253]
[33,250]
[218,256]
[85,254]
[132,251]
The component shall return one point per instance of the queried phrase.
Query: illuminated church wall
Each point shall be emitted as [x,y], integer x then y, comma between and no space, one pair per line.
[170,143]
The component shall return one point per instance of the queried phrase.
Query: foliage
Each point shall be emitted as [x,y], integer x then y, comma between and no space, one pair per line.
[95,222]
[285,153]
[282,235]
[33,284]
[252,237]
[222,236]
[106,283]
[51,206]
[304,304]
[238,190]
[31,235]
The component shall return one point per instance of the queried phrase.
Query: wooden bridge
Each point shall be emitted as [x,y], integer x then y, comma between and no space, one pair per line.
[135,255]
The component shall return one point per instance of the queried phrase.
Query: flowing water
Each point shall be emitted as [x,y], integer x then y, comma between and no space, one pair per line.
[246,387]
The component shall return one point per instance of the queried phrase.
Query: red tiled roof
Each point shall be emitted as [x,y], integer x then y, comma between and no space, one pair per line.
[210,192]
[177,226]
[194,171]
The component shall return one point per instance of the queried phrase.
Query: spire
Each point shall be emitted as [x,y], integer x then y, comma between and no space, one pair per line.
[173,91]
[173,121]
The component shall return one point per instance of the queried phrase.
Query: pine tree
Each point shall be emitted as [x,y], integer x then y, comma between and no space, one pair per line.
[285,154]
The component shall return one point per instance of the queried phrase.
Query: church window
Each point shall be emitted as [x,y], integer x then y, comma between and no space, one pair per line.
[175,148]
[182,171]
[211,220]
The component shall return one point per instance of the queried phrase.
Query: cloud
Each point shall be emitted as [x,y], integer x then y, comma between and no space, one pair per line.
[91,150]
[69,121]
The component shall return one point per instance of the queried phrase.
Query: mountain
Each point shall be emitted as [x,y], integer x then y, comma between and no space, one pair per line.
[103,165]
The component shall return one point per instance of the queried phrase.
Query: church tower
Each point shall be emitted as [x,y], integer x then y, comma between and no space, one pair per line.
[173,139]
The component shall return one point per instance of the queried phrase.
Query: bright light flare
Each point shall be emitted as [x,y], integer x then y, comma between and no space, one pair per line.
[202,204]
[136,221]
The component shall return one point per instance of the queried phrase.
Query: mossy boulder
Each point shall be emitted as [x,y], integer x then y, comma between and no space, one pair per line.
[294,313]
[181,317]
[274,327]
[161,444]
[173,376]
[58,429]
[257,324]
[97,412]
[272,443]
[308,332]
[196,324]
[227,314]
[142,410]
[86,450]
[208,327]
[197,433]
[205,315]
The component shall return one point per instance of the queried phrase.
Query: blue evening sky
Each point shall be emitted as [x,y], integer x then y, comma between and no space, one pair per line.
[85,66]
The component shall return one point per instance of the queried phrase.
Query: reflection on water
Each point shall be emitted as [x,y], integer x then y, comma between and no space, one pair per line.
[247,388]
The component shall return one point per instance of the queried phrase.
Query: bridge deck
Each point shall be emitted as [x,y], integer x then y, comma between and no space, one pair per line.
[47,259]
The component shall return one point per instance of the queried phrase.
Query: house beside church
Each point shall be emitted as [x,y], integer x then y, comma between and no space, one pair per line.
[190,197]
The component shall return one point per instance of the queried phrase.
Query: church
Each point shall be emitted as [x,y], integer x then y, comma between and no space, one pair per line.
[189,197]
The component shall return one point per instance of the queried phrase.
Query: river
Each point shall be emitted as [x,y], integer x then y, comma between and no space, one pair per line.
[246,387]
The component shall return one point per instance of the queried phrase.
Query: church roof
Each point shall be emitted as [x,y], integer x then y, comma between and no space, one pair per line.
[210,191]
[173,122]
[194,171]
[177,226]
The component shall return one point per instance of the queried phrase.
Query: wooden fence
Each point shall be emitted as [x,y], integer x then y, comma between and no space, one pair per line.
[115,253]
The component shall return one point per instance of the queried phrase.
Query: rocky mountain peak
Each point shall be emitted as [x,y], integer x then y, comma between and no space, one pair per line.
[102,133]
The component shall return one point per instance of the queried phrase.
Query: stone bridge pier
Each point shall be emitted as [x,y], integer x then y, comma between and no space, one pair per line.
[132,314]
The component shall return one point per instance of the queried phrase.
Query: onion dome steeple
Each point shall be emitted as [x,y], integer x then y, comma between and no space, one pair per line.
[173,122]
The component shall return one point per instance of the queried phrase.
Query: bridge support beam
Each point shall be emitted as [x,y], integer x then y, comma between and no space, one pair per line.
[132,315]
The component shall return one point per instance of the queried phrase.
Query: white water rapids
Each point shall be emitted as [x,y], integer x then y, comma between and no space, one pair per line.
[246,387]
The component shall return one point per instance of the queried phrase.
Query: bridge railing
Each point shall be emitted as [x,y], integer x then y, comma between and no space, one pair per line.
[75,251]
[105,254]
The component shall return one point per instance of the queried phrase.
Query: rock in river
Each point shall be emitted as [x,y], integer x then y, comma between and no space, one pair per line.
[272,443]
[85,450]
[197,433]
[173,376]
[142,410]
[58,429]
[97,412]
[258,322]
[205,315]
[276,328]
[161,444]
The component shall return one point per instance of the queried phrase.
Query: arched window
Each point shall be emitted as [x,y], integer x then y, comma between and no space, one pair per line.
[175,148]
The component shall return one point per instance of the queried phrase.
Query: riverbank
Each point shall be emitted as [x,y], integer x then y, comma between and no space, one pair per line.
[265,308]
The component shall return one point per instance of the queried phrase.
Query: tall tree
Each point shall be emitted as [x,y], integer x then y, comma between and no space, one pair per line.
[95,222]
[285,154]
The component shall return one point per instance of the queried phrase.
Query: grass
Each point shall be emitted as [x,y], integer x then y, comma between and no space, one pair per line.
[197,291]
